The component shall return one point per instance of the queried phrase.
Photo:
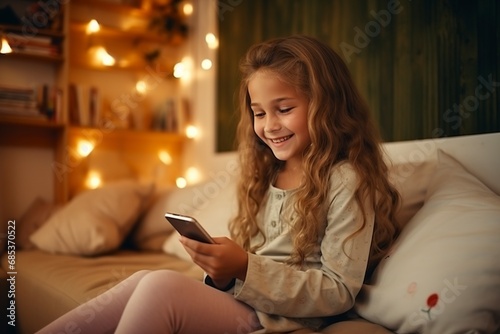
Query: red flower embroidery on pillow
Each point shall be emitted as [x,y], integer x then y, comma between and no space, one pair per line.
[432,301]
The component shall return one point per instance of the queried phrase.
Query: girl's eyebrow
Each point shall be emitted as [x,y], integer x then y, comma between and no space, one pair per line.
[279,99]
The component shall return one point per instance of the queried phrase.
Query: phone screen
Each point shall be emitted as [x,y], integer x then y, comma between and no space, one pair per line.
[189,227]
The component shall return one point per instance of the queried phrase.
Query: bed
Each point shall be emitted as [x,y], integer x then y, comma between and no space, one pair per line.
[442,276]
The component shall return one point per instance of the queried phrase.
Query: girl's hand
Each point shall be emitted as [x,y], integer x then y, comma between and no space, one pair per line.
[222,261]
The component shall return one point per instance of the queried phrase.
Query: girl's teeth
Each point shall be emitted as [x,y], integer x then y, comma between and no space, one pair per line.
[280,140]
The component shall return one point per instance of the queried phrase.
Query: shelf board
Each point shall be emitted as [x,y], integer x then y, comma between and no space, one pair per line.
[133,34]
[127,140]
[136,67]
[28,132]
[28,121]
[22,55]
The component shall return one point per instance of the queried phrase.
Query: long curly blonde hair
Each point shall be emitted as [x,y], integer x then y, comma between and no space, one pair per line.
[340,129]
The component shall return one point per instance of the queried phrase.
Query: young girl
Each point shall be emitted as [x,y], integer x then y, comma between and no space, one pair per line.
[315,212]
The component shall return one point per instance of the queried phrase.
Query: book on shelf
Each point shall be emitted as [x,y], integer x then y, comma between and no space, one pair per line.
[37,50]
[74,118]
[84,105]
[57,97]
[18,101]
[172,115]
[34,45]
[20,111]
[16,39]
[16,92]
[50,102]
[42,102]
[94,106]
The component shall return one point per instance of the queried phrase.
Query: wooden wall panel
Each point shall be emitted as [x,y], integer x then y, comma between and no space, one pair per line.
[419,70]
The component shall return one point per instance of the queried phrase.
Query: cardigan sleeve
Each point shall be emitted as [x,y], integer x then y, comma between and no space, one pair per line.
[330,283]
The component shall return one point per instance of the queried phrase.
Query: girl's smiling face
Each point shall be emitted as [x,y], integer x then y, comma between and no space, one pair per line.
[280,116]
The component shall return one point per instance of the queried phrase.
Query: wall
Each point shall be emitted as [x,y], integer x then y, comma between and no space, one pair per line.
[29,175]
[26,171]
[426,68]
[201,152]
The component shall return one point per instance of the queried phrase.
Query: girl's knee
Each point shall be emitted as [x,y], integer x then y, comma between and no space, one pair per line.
[138,275]
[166,279]
[143,272]
[164,276]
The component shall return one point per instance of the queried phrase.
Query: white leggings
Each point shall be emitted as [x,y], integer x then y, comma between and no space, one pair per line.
[160,301]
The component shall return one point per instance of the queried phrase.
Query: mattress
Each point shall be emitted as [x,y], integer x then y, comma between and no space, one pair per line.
[49,285]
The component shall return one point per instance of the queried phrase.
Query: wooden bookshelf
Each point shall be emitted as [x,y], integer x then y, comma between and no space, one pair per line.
[61,137]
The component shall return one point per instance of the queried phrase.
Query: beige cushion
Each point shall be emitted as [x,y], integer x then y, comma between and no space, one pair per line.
[152,229]
[95,221]
[37,214]
[215,206]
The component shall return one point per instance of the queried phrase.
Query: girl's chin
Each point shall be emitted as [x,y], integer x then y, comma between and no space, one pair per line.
[280,155]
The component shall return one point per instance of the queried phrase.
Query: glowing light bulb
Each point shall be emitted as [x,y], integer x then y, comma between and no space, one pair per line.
[141,87]
[5,46]
[206,64]
[193,175]
[188,9]
[84,148]
[181,182]
[212,41]
[104,57]
[93,180]
[107,60]
[179,70]
[165,157]
[191,131]
[93,27]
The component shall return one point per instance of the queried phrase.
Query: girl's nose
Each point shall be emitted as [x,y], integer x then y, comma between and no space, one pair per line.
[272,123]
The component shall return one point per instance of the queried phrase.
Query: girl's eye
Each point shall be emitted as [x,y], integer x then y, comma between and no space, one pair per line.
[258,114]
[285,110]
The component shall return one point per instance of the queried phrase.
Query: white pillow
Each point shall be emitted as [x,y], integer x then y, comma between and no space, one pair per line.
[152,229]
[443,274]
[95,221]
[213,211]
[412,181]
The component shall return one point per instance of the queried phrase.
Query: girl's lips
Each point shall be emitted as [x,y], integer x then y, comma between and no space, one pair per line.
[280,140]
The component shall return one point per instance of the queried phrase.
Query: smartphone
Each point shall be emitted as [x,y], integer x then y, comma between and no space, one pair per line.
[189,227]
